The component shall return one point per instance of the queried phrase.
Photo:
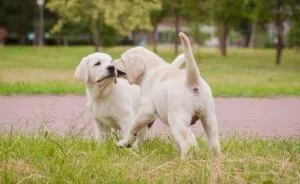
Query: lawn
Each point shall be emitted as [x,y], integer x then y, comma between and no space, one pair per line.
[54,159]
[245,72]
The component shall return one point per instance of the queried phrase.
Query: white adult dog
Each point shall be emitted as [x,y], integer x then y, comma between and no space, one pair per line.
[112,101]
[178,97]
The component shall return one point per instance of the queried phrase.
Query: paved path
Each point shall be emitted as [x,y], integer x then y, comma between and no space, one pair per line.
[267,117]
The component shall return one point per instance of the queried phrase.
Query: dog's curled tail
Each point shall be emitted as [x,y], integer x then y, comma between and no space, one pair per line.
[193,74]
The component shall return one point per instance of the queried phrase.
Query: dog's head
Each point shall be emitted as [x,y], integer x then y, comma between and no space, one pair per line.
[96,68]
[134,62]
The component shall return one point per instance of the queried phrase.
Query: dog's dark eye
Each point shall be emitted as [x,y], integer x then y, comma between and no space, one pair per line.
[97,64]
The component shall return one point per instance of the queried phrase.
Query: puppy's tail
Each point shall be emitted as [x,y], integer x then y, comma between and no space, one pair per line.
[178,61]
[193,74]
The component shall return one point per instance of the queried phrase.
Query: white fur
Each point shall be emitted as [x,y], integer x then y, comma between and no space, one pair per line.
[112,102]
[112,105]
[175,96]
[178,61]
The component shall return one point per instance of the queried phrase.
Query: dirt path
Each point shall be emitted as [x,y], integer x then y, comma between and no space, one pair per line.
[267,117]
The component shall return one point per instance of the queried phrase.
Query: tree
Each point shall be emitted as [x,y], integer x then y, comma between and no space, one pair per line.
[283,10]
[194,12]
[124,16]
[75,11]
[17,17]
[276,11]
[156,18]
[244,28]
[225,13]
[182,10]
[175,9]
[257,12]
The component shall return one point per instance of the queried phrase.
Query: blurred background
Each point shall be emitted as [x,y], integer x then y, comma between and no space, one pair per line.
[238,43]
[210,23]
[247,50]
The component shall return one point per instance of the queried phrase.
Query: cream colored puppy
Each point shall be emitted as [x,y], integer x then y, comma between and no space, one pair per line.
[178,97]
[112,101]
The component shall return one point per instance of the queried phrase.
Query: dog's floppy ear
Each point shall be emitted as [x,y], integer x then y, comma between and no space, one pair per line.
[119,67]
[81,72]
[135,67]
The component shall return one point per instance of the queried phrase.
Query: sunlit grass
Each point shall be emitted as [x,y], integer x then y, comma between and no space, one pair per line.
[244,72]
[55,159]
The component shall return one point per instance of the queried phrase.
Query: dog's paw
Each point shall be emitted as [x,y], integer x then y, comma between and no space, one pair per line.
[123,144]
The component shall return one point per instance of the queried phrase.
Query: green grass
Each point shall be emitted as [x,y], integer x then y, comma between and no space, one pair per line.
[245,72]
[52,87]
[55,159]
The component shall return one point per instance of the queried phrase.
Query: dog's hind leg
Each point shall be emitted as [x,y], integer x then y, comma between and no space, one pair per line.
[210,126]
[141,136]
[182,134]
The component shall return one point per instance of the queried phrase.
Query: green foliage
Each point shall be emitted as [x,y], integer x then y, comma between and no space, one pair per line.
[124,16]
[17,16]
[258,10]
[157,15]
[110,36]
[265,10]
[229,11]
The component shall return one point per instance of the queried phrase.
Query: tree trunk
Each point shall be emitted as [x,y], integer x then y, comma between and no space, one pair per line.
[253,34]
[176,38]
[247,38]
[223,34]
[36,33]
[96,34]
[41,26]
[58,39]
[279,44]
[154,39]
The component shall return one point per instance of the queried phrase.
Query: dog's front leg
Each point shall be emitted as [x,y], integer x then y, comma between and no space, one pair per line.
[144,116]
[102,132]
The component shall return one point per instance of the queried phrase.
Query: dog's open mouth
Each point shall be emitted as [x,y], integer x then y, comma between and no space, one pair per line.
[120,73]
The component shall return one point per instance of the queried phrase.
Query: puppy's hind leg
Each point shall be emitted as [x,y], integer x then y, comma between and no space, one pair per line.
[141,136]
[210,126]
[182,134]
[144,133]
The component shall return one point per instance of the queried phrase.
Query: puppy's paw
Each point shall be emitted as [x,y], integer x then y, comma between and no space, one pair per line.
[123,144]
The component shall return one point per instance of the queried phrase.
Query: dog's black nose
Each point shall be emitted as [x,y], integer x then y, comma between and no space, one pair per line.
[111,69]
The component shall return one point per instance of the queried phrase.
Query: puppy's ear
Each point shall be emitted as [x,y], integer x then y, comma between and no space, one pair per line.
[135,69]
[119,67]
[81,72]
